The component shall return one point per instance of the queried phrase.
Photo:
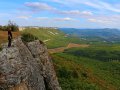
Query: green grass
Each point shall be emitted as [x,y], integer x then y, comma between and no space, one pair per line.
[102,53]
[82,68]
[55,37]
[82,73]
[27,37]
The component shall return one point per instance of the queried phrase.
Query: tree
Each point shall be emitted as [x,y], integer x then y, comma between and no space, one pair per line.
[13,26]
[1,28]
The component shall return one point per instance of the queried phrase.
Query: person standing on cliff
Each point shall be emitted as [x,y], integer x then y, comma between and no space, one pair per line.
[9,37]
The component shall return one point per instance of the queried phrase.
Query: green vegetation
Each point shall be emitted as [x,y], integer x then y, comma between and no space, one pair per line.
[12,25]
[81,73]
[93,68]
[27,37]
[3,28]
[52,37]
[96,67]
[103,53]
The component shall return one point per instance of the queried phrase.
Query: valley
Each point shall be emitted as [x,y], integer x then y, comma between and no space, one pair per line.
[79,64]
[70,45]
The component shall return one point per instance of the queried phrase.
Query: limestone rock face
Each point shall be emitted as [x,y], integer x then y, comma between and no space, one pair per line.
[27,66]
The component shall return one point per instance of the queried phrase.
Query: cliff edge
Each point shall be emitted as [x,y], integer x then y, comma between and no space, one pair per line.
[27,66]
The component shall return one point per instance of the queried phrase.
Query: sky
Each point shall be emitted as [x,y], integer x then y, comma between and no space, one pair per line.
[61,13]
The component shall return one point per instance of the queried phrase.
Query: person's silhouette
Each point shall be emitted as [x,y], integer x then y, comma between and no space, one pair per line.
[9,37]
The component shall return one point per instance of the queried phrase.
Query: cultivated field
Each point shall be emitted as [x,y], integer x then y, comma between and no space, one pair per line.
[70,45]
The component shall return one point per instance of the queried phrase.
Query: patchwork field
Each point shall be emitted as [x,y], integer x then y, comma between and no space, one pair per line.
[70,45]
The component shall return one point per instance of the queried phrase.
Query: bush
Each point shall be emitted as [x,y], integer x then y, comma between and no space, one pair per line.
[3,28]
[64,73]
[27,37]
[12,25]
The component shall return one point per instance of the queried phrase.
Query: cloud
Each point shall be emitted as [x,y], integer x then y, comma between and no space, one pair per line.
[77,13]
[5,14]
[57,1]
[38,6]
[42,18]
[95,11]
[89,13]
[106,20]
[24,17]
[64,19]
[100,5]
[99,21]
[56,19]
[97,4]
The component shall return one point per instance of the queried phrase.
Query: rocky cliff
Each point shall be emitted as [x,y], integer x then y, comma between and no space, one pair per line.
[27,66]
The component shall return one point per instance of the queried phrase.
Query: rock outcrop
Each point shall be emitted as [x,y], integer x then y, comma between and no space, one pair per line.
[27,66]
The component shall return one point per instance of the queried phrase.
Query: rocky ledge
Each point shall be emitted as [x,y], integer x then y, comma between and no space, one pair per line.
[27,66]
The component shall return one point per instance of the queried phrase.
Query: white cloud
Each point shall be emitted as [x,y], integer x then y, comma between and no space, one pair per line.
[94,5]
[99,21]
[97,4]
[87,13]
[5,14]
[57,1]
[42,18]
[64,19]
[71,12]
[76,13]
[106,20]
[38,6]
[24,17]
[74,10]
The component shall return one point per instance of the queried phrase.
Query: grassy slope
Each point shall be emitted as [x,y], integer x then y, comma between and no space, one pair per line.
[102,53]
[76,72]
[55,37]
[80,73]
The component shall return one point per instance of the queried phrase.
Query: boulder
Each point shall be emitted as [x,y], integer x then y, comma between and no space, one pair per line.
[27,66]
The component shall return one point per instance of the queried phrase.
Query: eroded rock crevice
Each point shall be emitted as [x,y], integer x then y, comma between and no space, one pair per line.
[27,67]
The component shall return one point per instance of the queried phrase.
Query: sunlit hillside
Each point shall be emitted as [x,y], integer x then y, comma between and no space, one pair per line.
[82,73]
[53,38]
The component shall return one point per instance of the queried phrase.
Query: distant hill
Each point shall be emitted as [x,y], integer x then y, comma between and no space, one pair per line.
[53,37]
[104,35]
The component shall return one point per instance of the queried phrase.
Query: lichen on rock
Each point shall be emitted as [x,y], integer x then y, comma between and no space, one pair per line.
[27,66]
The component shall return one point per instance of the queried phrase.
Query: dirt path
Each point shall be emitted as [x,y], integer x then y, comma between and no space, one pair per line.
[70,45]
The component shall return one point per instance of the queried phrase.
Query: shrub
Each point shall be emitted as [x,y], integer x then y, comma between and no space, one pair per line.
[27,37]
[13,26]
[64,73]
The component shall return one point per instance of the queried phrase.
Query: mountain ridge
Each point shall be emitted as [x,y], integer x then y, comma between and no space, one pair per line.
[106,34]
